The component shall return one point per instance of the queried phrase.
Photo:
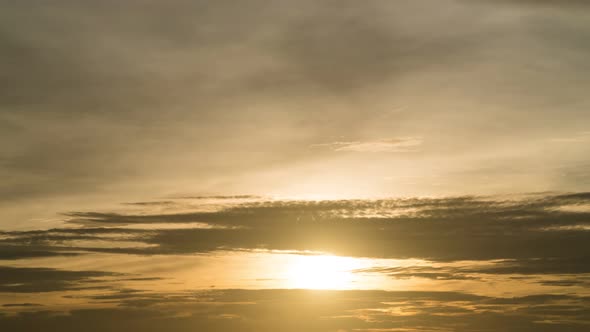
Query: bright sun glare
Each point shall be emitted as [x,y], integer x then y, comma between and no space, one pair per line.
[322,272]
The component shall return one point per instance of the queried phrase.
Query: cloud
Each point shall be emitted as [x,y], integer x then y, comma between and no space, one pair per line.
[35,280]
[573,271]
[297,310]
[85,77]
[10,252]
[439,229]
[469,240]
[9,305]
[116,97]
[580,137]
[542,3]
[406,144]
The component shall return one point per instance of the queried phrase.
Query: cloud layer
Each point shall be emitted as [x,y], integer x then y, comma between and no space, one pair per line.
[458,228]
[190,102]
[318,311]
[529,246]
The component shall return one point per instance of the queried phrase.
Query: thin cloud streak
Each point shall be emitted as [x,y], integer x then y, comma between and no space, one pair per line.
[406,144]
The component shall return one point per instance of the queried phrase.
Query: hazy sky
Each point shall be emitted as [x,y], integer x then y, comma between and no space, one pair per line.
[336,98]
[152,150]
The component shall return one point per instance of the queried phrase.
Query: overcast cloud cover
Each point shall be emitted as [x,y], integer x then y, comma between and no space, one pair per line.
[442,145]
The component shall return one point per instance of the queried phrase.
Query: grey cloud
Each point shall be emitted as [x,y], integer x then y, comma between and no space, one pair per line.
[296,310]
[83,57]
[566,283]
[460,228]
[20,251]
[573,271]
[543,3]
[9,305]
[83,77]
[222,197]
[35,280]
[428,272]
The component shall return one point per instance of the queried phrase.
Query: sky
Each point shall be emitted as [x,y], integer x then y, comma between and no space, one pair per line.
[257,165]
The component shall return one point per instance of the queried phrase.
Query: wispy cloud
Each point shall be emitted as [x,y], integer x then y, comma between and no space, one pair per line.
[402,144]
[579,137]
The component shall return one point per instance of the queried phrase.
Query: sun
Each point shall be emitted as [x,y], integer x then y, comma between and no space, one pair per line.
[322,272]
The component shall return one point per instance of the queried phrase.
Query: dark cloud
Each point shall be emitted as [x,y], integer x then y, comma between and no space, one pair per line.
[296,310]
[461,228]
[9,305]
[566,283]
[115,97]
[536,233]
[533,238]
[573,271]
[10,252]
[427,272]
[222,197]
[35,280]
[108,59]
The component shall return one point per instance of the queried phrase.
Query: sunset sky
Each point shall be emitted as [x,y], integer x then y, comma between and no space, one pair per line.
[250,165]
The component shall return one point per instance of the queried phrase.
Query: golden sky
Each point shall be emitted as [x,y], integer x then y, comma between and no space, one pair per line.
[274,165]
